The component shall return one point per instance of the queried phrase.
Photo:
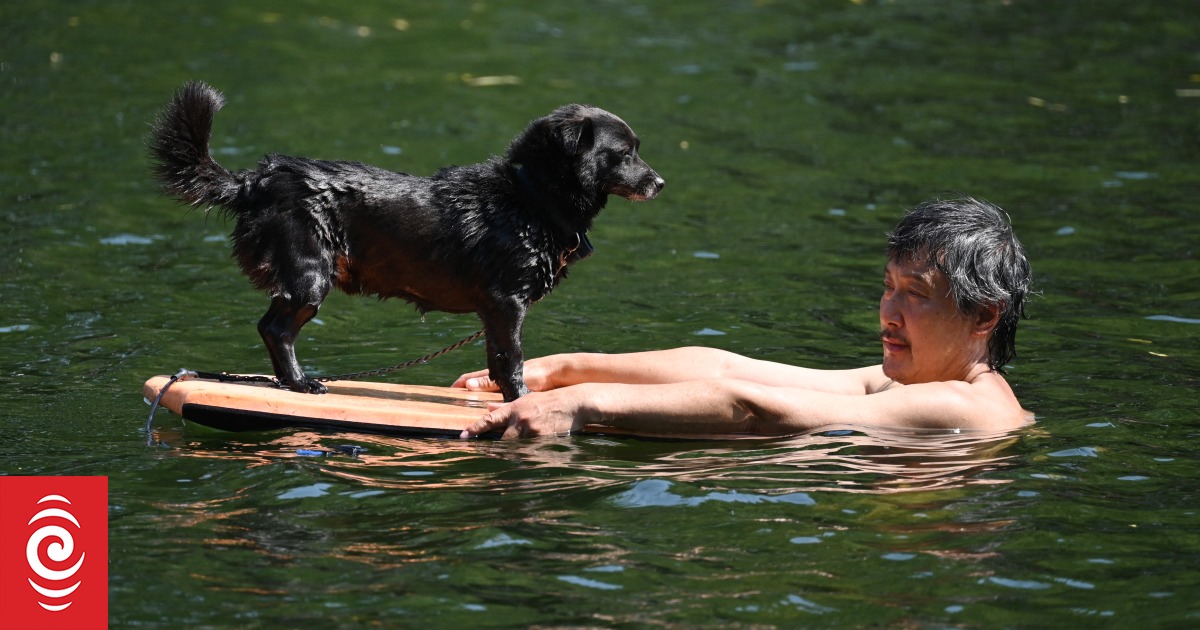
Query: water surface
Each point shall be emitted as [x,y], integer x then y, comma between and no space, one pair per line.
[792,137]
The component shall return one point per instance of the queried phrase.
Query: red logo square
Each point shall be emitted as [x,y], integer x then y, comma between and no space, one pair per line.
[53,552]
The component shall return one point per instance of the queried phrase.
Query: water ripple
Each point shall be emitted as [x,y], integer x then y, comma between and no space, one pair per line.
[649,473]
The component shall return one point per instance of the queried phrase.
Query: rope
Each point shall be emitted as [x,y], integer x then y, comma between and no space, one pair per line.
[225,377]
[400,366]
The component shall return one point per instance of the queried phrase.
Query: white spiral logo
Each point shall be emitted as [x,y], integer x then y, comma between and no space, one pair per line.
[59,550]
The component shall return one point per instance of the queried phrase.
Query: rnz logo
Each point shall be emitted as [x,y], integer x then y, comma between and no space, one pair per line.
[54,586]
[53,552]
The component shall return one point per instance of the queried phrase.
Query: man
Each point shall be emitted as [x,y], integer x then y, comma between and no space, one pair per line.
[954,289]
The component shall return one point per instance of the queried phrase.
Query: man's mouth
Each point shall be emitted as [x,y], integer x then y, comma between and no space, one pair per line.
[892,344]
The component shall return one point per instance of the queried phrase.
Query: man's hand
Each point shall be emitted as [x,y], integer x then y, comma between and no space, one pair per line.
[532,415]
[537,374]
[478,381]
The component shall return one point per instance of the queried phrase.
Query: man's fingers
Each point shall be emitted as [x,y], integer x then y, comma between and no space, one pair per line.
[481,383]
[476,381]
[491,420]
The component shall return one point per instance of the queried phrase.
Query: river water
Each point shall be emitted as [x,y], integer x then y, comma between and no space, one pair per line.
[792,136]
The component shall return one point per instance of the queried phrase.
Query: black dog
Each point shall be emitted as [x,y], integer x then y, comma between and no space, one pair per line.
[490,238]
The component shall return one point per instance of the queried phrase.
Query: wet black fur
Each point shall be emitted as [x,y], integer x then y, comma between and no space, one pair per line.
[489,238]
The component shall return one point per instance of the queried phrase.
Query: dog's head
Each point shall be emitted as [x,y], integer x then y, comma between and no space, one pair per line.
[606,151]
[591,146]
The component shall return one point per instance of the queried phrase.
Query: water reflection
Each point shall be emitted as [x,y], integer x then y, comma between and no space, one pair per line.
[841,461]
[849,462]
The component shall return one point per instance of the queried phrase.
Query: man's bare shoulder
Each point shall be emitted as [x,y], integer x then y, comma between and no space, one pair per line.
[993,389]
[987,402]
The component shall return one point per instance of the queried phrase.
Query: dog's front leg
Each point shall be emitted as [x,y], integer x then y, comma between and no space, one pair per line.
[503,322]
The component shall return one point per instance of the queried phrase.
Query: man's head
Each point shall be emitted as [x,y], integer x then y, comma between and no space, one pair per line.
[971,242]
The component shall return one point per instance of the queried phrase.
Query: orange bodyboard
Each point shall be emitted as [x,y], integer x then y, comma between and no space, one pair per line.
[350,405]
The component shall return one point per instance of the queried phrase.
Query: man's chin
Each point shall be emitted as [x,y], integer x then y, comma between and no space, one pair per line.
[894,370]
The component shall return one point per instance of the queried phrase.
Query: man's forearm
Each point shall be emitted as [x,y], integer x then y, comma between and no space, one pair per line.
[690,407]
[641,368]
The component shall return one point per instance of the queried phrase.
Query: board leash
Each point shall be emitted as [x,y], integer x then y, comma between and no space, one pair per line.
[400,366]
[225,377]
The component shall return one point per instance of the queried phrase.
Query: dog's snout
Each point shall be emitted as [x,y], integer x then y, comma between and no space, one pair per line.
[652,186]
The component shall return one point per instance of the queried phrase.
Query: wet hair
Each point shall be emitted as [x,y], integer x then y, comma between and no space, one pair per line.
[972,243]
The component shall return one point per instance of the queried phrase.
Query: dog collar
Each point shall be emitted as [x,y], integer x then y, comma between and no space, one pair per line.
[583,248]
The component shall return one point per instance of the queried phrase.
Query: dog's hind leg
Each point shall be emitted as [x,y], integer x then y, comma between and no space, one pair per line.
[306,283]
[503,322]
[300,279]
[279,329]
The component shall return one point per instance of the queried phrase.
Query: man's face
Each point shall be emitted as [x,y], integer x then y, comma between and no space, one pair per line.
[925,338]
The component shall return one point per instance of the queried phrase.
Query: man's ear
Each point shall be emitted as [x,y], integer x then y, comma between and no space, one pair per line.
[987,317]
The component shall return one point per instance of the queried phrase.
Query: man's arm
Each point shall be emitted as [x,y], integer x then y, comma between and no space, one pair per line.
[675,366]
[726,406]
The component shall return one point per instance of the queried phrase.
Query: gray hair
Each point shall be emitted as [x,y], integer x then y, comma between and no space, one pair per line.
[972,243]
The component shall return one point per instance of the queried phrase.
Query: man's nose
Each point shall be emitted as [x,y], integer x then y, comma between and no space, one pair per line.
[889,315]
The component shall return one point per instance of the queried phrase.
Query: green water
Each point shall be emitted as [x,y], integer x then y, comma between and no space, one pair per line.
[792,136]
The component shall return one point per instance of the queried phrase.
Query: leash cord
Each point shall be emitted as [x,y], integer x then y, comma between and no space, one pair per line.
[181,375]
[400,366]
[225,377]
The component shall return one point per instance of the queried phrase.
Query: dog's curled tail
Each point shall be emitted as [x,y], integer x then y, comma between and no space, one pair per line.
[179,145]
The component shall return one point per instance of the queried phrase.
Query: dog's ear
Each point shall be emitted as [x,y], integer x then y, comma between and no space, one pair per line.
[577,135]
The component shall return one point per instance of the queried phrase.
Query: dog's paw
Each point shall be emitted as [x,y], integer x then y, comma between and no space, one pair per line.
[313,386]
[510,394]
[308,386]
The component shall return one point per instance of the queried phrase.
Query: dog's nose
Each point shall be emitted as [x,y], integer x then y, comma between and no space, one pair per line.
[658,184]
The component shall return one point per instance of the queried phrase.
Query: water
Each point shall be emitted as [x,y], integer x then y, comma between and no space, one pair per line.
[792,136]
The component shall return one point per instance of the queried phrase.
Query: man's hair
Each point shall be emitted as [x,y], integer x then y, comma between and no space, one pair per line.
[972,243]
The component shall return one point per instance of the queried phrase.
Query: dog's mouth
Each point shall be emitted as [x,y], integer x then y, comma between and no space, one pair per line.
[644,191]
